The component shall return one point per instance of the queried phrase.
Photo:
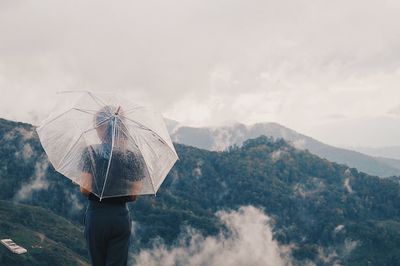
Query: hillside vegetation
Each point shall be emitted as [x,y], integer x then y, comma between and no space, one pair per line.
[328,213]
[49,239]
[220,138]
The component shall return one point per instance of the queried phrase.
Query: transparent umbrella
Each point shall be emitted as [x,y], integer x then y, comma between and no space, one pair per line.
[109,145]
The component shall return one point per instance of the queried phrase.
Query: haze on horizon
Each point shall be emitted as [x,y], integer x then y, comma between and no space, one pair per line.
[327,69]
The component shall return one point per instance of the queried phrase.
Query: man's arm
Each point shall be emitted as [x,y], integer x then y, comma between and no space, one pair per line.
[86,183]
[135,189]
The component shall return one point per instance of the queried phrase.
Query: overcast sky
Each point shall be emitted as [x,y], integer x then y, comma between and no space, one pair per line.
[328,69]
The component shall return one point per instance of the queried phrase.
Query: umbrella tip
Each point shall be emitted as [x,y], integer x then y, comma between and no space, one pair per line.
[119,107]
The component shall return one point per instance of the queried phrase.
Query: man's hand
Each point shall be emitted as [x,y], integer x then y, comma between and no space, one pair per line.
[134,198]
[84,191]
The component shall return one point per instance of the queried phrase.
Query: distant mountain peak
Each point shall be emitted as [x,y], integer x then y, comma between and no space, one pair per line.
[220,138]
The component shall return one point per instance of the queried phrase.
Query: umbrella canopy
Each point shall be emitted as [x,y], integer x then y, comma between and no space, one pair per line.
[109,145]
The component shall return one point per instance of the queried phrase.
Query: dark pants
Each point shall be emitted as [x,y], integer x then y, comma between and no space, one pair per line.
[107,233]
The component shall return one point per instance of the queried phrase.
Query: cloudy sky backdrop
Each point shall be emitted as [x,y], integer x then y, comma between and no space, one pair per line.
[328,69]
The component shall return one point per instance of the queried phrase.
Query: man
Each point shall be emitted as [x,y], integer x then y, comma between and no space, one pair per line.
[112,175]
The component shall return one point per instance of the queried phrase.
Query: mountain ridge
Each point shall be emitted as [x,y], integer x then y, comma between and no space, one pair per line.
[220,138]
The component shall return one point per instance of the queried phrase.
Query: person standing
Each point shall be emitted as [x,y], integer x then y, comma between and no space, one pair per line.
[120,170]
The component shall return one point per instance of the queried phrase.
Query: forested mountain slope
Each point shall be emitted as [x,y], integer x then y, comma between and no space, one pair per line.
[327,213]
[220,138]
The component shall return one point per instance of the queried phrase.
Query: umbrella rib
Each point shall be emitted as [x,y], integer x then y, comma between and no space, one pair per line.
[72,147]
[144,138]
[109,160]
[140,125]
[58,116]
[134,141]
[87,111]
[151,148]
[133,109]
[135,106]
[99,124]
[84,132]
[63,113]
[92,166]
[128,134]
[152,182]
[96,99]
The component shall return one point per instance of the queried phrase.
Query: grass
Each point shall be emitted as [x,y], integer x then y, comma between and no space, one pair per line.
[49,239]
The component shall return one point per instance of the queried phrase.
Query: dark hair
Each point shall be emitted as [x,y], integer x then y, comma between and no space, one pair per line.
[104,118]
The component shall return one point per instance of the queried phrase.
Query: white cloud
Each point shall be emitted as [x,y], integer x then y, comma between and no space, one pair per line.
[346,182]
[37,181]
[26,153]
[249,241]
[223,138]
[299,144]
[197,170]
[311,189]
[206,63]
[74,202]
[277,154]
[336,255]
